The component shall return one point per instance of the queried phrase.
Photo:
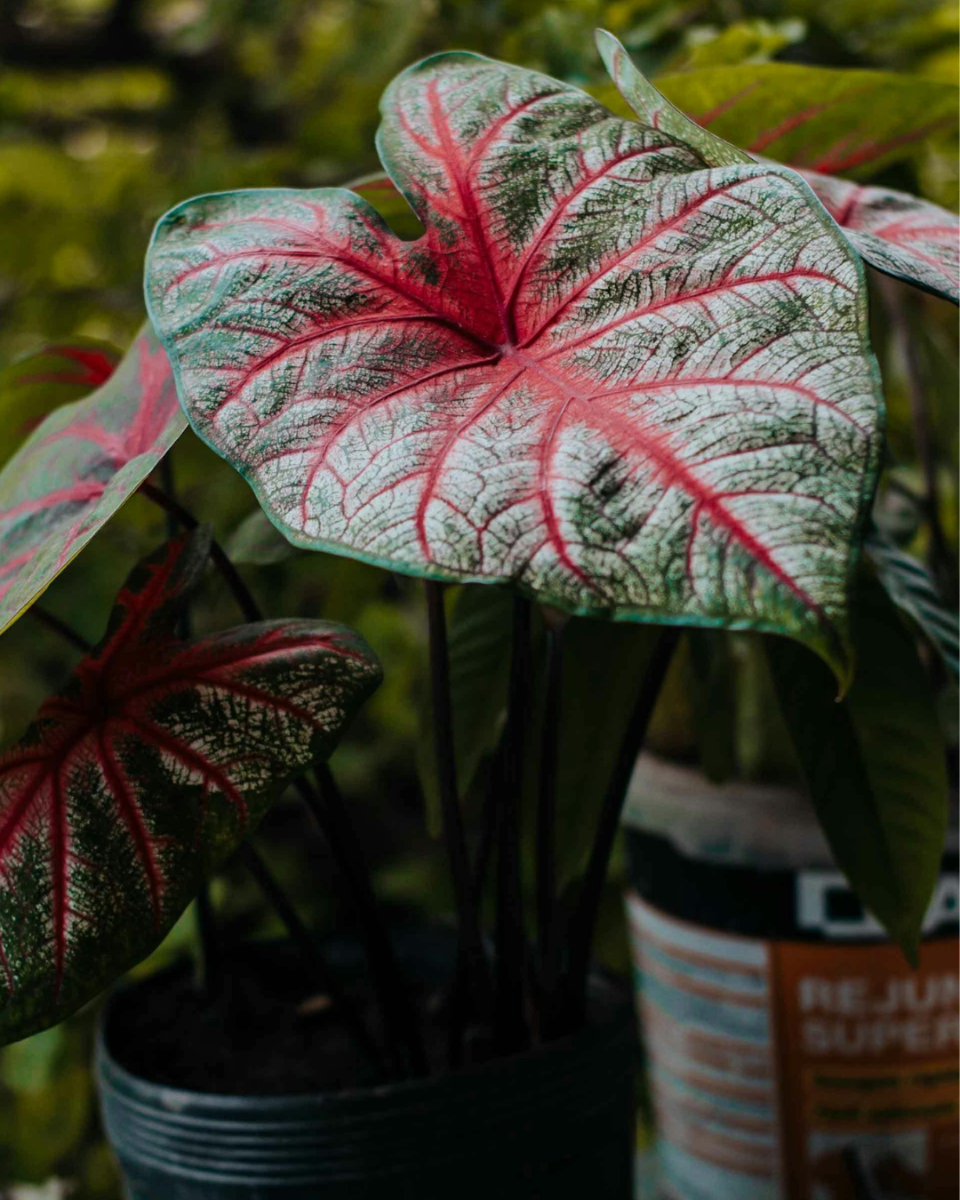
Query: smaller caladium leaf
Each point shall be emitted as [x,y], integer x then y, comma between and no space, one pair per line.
[380,192]
[913,590]
[655,110]
[35,385]
[630,386]
[143,772]
[894,232]
[79,467]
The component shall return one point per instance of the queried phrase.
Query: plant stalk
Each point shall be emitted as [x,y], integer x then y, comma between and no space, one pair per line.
[45,617]
[231,576]
[301,937]
[547,816]
[471,960]
[210,976]
[584,921]
[510,1028]
[330,814]
[390,988]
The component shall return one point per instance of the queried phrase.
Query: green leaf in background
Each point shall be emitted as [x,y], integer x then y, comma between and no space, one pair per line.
[478,641]
[874,764]
[379,191]
[32,387]
[604,665]
[847,122]
[257,541]
[752,41]
[713,670]
[912,589]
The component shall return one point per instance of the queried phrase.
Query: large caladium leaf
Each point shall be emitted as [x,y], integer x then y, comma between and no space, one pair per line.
[630,385]
[894,232]
[78,467]
[34,386]
[143,772]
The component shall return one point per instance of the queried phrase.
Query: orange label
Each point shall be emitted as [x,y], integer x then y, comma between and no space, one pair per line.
[868,1059]
[798,1070]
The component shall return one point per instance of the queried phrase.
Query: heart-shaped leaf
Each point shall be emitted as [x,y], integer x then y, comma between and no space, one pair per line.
[892,231]
[631,386]
[77,469]
[34,386]
[875,764]
[141,774]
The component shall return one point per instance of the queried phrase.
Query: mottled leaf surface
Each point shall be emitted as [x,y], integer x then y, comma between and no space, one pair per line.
[35,385]
[892,231]
[139,776]
[631,386]
[895,232]
[78,467]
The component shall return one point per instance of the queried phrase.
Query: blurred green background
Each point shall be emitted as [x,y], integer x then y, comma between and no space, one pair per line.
[113,110]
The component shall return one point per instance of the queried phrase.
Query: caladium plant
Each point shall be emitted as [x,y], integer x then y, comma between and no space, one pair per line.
[144,772]
[627,384]
[78,467]
[898,234]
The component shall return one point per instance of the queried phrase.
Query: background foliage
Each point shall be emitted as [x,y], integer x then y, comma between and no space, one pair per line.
[113,110]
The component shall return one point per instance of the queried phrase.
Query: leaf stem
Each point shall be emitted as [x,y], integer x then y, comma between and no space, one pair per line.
[584,920]
[471,960]
[390,988]
[231,576]
[547,816]
[306,943]
[331,815]
[45,617]
[510,1029]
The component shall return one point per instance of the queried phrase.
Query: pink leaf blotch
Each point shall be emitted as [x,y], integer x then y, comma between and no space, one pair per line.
[632,386]
[141,774]
[79,466]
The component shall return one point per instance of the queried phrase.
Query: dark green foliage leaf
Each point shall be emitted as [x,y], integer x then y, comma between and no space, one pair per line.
[478,639]
[874,764]
[911,587]
[604,665]
[147,769]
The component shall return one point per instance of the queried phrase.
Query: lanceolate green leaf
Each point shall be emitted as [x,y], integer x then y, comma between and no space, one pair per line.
[77,469]
[892,231]
[654,109]
[911,587]
[631,386]
[34,386]
[140,775]
[875,764]
[838,122]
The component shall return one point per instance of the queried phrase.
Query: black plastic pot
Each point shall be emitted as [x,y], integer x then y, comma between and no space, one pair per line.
[556,1122]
